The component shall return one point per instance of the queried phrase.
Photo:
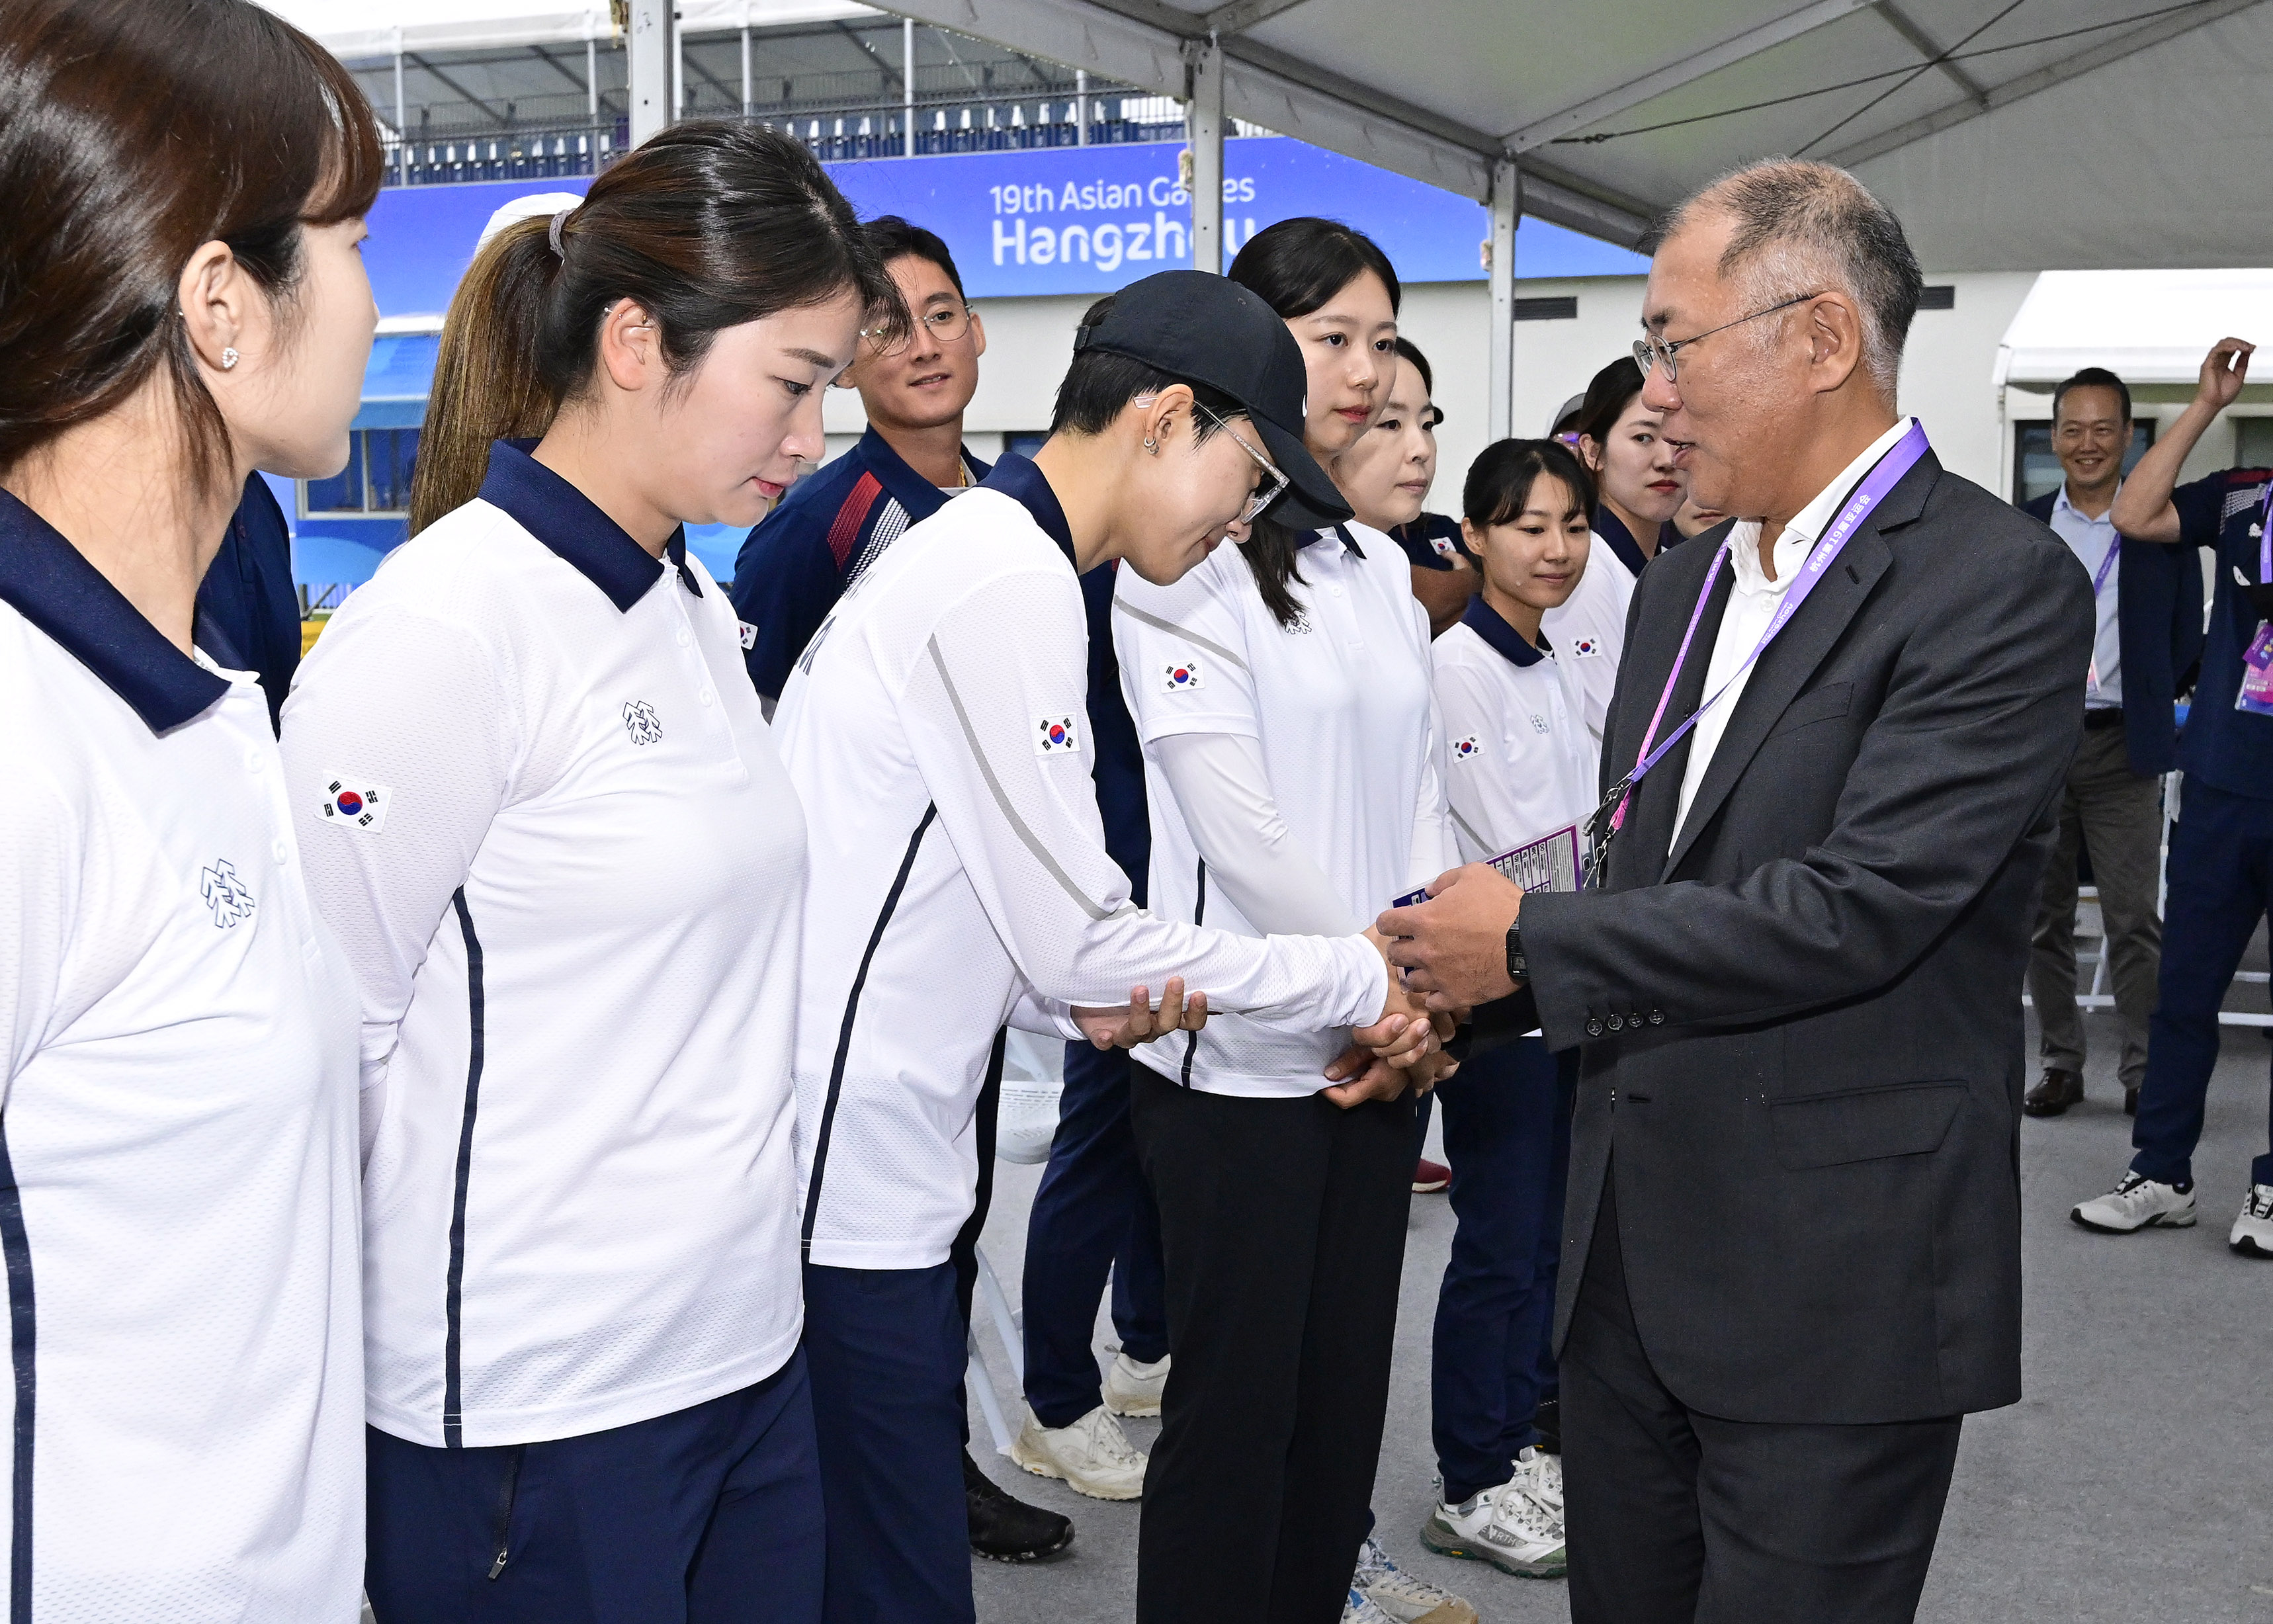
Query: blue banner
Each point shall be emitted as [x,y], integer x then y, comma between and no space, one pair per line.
[1067,219]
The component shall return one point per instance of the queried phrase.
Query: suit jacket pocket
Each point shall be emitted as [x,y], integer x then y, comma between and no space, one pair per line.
[1830,1129]
[1830,701]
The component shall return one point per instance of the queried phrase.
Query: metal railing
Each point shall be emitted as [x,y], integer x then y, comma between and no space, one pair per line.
[440,156]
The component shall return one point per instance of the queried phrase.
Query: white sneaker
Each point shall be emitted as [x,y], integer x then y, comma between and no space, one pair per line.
[1358,1610]
[1132,1389]
[1540,1476]
[2136,1203]
[2252,1231]
[1404,1597]
[1093,1455]
[1503,1526]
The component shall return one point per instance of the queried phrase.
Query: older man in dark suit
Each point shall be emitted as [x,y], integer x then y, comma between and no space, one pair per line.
[1792,1260]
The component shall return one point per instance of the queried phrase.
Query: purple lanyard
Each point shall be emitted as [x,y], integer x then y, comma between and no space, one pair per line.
[1882,478]
[2265,533]
[2099,580]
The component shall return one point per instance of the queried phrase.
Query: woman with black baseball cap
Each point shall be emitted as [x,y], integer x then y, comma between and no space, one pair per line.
[1282,693]
[935,729]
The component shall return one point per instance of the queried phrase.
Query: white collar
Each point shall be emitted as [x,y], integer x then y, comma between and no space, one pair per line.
[1807,526]
[2060,504]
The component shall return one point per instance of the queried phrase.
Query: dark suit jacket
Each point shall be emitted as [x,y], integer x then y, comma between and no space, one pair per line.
[2159,620]
[1812,1104]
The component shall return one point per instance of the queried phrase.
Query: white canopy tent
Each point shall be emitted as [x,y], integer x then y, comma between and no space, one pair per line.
[2007,134]
[2150,327]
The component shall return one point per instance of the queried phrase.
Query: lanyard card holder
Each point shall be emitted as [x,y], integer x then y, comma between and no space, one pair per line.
[1547,864]
[2256,694]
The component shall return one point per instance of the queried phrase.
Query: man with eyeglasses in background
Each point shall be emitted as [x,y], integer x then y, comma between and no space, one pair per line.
[793,566]
[833,524]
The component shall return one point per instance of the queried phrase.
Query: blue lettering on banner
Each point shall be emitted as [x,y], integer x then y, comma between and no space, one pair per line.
[1065,219]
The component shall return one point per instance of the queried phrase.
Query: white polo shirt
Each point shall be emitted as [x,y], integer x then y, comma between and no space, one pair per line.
[1340,703]
[573,913]
[1520,763]
[935,727]
[1589,631]
[177,1154]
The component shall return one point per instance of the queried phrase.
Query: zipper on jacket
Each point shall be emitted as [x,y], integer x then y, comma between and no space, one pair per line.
[504,1510]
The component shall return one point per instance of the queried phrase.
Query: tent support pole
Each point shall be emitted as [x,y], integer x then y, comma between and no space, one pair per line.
[592,79]
[908,84]
[1506,208]
[1204,128]
[401,133]
[652,40]
[747,102]
[1081,104]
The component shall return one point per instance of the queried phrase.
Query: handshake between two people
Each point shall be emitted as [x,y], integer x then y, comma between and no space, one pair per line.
[1445,955]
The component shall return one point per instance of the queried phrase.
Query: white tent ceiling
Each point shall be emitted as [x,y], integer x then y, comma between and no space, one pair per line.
[2149,325]
[2008,136]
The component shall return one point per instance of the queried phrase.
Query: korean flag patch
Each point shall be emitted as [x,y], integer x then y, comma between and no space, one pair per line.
[1180,676]
[1056,736]
[356,803]
[1465,749]
[1587,646]
[748,633]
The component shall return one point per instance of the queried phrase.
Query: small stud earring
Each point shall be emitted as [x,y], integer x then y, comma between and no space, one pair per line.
[1151,445]
[228,359]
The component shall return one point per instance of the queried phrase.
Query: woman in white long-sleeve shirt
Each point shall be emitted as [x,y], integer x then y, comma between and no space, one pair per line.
[1520,766]
[547,819]
[185,303]
[1281,690]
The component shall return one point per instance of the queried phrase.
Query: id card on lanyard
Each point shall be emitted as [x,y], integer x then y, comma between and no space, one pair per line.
[1610,816]
[2256,692]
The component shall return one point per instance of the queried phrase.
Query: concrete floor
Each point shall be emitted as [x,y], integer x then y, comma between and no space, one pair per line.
[2133,1482]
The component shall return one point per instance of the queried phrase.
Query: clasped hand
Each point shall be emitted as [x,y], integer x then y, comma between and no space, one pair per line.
[1404,1048]
[1140,1022]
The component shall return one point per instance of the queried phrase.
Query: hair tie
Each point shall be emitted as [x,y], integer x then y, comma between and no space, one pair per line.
[553,234]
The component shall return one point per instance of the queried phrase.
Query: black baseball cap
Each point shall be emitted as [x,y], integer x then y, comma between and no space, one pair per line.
[1210,330]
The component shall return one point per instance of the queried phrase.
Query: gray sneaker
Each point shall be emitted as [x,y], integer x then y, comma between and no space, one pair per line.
[1504,1526]
[2135,1204]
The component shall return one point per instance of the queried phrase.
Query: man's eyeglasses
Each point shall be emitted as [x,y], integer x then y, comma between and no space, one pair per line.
[1274,480]
[944,326]
[1650,349]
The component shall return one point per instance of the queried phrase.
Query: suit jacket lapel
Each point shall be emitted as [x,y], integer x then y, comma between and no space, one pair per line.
[1639,849]
[1782,670]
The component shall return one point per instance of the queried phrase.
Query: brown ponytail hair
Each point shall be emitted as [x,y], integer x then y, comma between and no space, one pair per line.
[132,134]
[710,224]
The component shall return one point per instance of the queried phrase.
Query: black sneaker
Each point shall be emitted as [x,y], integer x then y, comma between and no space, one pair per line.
[1006,1529]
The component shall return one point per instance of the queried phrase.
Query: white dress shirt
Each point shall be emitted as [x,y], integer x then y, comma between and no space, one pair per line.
[2088,539]
[1753,604]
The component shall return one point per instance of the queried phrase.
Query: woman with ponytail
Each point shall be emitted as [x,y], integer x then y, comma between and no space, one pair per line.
[182,303]
[547,818]
[1292,778]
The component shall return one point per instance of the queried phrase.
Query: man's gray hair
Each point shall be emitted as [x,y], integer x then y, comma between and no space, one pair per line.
[1807,228]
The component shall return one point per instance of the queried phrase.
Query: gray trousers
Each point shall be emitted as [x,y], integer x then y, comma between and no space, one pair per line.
[2118,814]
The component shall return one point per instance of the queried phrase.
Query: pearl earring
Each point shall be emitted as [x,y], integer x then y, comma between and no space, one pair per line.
[228,359]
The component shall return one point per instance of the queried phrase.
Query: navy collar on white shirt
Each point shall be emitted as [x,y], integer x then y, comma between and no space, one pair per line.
[1349,542]
[51,584]
[572,525]
[1486,623]
[1018,478]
